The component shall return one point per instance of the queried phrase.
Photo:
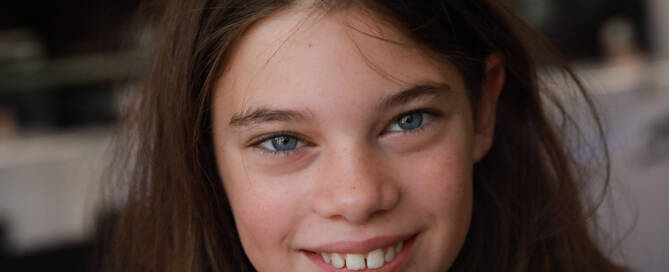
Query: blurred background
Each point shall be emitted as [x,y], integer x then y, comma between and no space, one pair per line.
[64,63]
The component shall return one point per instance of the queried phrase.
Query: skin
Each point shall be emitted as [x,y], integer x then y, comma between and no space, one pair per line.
[355,174]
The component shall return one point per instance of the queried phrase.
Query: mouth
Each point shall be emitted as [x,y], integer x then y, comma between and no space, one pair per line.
[382,259]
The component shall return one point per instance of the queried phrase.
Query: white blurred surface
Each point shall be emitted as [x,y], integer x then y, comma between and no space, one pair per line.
[633,102]
[49,187]
[640,176]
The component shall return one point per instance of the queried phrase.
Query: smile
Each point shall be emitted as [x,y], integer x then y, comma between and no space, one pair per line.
[384,258]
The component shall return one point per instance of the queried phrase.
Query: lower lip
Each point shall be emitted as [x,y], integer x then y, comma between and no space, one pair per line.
[395,264]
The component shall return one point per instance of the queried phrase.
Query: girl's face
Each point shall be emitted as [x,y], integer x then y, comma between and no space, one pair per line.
[339,147]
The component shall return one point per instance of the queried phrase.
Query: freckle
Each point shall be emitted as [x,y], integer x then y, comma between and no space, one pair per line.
[310,45]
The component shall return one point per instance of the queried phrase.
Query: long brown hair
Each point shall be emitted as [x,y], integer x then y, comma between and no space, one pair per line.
[528,213]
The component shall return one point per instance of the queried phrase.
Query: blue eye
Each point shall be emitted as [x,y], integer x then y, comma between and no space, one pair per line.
[281,143]
[410,121]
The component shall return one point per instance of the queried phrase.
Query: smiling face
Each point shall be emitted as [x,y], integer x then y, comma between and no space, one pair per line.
[337,148]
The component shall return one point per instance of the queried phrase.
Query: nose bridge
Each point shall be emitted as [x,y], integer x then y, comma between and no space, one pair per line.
[353,184]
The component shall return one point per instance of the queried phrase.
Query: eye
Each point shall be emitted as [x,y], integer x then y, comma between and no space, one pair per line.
[280,143]
[409,121]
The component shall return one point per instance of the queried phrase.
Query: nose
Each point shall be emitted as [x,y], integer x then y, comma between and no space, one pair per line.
[354,186]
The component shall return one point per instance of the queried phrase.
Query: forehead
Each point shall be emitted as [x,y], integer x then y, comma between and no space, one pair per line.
[299,53]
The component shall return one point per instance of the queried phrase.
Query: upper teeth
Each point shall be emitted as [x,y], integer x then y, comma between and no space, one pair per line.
[373,259]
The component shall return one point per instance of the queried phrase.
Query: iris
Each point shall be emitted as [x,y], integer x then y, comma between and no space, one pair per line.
[284,143]
[410,121]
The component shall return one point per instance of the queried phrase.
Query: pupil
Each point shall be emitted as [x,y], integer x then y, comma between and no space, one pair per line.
[282,140]
[411,121]
[283,143]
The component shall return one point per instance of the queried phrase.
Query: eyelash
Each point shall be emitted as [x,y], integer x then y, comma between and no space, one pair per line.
[257,143]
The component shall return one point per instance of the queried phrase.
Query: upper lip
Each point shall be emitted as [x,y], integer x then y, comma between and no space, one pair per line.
[360,247]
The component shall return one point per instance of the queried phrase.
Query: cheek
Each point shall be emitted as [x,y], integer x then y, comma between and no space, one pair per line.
[264,210]
[438,189]
[259,223]
[444,170]
[437,184]
[440,180]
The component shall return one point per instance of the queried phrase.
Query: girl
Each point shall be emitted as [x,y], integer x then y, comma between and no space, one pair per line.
[349,135]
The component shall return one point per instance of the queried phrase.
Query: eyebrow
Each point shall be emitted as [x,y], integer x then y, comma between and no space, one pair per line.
[265,114]
[413,93]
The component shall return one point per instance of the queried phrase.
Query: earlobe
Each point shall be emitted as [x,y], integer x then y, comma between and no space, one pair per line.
[484,126]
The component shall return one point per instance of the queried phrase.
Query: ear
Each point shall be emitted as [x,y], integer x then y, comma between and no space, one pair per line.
[484,126]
